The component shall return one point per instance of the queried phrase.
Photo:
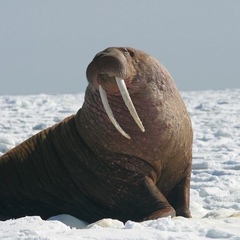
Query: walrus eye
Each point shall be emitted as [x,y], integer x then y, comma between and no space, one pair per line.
[127,52]
[132,54]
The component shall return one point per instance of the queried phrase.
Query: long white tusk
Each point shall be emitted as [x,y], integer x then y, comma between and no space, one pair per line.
[128,101]
[109,112]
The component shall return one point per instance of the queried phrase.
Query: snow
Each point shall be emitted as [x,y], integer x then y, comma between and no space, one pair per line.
[215,189]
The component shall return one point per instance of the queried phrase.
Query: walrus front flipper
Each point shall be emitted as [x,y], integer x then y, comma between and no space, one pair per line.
[152,204]
[179,197]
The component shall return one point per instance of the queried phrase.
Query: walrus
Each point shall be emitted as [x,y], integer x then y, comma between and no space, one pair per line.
[126,154]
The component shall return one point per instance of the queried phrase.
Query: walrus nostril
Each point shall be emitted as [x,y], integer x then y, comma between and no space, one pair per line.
[103,54]
[98,55]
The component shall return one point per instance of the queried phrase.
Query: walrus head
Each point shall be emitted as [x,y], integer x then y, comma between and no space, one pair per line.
[135,88]
[113,71]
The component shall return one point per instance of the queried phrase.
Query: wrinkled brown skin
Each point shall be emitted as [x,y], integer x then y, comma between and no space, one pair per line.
[84,167]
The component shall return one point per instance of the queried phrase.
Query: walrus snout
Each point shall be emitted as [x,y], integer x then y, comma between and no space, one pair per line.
[110,62]
[108,69]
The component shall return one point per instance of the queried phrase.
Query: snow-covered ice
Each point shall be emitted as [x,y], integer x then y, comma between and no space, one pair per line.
[215,188]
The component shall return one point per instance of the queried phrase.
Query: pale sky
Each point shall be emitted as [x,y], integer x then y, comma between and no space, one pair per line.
[46,45]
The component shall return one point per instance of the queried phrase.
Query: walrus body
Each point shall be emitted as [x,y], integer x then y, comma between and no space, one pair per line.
[84,167]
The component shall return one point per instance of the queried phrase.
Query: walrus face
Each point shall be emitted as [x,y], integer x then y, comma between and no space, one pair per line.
[109,64]
[111,71]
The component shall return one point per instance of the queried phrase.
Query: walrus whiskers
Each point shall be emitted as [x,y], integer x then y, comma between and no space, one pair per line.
[108,110]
